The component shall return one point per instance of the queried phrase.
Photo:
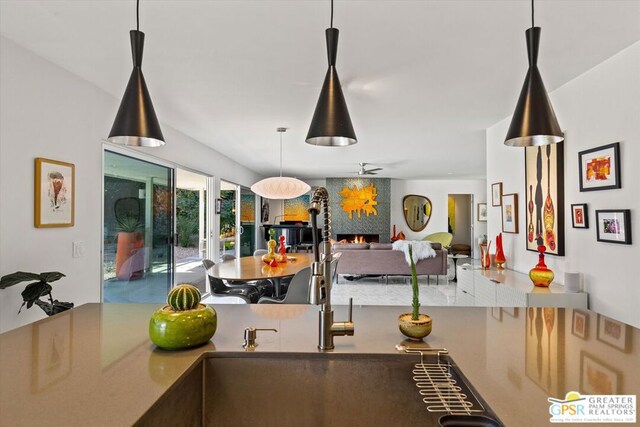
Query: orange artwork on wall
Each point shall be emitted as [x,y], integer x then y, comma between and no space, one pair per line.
[599,168]
[359,200]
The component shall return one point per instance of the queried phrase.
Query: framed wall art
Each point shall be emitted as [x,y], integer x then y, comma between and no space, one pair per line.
[496,194]
[544,195]
[614,226]
[596,377]
[600,168]
[482,212]
[579,215]
[510,213]
[54,193]
[614,333]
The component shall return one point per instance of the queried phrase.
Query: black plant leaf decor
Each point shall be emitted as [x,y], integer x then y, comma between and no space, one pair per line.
[35,290]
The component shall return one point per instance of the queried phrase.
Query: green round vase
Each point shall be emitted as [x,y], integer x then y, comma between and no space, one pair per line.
[176,330]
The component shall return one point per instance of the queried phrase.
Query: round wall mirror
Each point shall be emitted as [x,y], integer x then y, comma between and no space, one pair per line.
[417,211]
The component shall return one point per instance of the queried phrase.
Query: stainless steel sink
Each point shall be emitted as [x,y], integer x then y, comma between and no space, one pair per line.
[324,389]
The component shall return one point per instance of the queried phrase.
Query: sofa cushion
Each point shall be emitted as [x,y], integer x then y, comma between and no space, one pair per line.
[349,246]
[380,246]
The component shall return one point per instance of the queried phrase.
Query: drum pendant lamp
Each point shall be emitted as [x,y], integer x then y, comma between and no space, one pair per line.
[136,122]
[331,125]
[280,187]
[534,122]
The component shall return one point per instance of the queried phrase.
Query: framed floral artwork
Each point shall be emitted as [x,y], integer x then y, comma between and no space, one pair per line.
[579,216]
[614,226]
[482,212]
[54,198]
[496,194]
[600,168]
[544,198]
[510,213]
[614,333]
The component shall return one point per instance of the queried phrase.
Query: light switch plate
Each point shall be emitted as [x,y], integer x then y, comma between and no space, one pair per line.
[78,249]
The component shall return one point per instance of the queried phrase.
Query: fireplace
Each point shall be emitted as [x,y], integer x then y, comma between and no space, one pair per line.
[358,238]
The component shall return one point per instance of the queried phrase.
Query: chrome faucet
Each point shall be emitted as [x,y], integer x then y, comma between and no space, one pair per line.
[321,276]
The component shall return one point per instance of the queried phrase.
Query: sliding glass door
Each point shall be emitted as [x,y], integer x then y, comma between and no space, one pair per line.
[192,243]
[228,219]
[137,230]
[247,221]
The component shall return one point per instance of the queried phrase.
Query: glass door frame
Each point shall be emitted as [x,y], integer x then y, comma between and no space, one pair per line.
[236,248]
[210,226]
[212,221]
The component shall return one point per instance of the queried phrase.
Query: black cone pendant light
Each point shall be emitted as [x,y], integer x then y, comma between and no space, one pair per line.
[534,121]
[136,122]
[331,125]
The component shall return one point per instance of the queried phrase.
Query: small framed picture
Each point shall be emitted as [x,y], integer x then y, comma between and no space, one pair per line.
[580,324]
[614,226]
[510,213]
[54,193]
[579,216]
[600,168]
[614,333]
[218,206]
[596,377]
[482,212]
[496,194]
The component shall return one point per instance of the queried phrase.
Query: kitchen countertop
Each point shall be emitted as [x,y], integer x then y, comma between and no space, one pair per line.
[95,365]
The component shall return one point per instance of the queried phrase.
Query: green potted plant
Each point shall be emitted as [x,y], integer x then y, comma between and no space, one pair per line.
[39,287]
[414,325]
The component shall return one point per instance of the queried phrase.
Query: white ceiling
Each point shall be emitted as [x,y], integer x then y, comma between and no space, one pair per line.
[423,79]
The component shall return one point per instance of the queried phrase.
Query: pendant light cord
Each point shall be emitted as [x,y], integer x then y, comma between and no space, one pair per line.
[281,153]
[532,10]
[137,15]
[331,13]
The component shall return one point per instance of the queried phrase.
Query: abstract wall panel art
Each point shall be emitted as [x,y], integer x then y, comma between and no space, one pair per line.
[544,190]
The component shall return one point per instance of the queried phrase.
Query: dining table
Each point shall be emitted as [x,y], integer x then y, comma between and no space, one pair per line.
[251,268]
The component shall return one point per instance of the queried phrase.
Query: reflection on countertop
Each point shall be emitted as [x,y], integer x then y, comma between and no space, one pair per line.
[96,362]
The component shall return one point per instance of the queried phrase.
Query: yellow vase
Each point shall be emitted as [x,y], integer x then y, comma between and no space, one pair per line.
[541,275]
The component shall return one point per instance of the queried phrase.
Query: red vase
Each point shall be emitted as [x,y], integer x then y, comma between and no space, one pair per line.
[500,259]
[541,275]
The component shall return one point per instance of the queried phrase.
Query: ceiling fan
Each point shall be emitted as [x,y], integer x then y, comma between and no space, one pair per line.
[364,171]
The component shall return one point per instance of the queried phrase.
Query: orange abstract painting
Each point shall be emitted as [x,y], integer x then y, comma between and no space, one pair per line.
[357,201]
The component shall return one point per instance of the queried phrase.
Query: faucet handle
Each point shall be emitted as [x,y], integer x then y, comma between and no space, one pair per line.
[250,335]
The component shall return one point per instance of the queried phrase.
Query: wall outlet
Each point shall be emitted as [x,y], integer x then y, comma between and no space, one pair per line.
[78,249]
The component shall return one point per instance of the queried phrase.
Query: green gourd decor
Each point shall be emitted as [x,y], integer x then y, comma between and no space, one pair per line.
[183,322]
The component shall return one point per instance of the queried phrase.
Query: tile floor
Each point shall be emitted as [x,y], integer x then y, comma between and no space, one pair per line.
[375,291]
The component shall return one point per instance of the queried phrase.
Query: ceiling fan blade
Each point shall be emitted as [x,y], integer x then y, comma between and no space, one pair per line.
[374,170]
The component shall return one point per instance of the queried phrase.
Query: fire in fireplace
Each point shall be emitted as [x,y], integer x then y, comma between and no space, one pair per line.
[358,238]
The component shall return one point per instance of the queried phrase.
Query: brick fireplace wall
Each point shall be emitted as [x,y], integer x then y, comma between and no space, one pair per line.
[372,224]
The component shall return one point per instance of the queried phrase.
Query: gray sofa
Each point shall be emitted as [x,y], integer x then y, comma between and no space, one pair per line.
[381,259]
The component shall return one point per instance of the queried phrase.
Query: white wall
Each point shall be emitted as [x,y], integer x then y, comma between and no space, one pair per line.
[46,111]
[600,107]
[438,192]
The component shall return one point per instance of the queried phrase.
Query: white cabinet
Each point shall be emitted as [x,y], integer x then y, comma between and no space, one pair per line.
[508,288]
